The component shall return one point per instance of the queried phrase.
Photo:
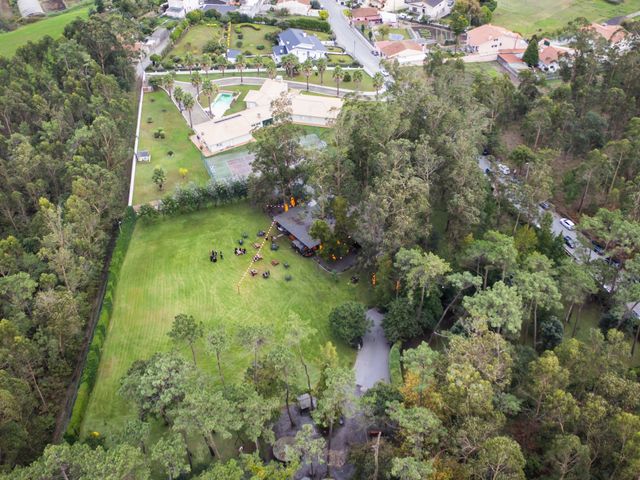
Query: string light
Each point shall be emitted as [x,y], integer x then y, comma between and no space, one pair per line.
[253,259]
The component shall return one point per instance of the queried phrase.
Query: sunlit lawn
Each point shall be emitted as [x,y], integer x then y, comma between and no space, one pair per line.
[528,17]
[167,271]
[165,115]
[52,25]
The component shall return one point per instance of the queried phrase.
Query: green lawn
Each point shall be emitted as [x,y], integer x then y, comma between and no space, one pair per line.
[252,38]
[528,17]
[397,31]
[196,37]
[52,26]
[167,271]
[366,85]
[164,114]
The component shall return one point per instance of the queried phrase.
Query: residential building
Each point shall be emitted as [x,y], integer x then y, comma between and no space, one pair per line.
[299,43]
[613,34]
[296,223]
[432,9]
[180,8]
[30,8]
[214,136]
[404,51]
[512,62]
[295,7]
[550,55]
[221,6]
[366,15]
[491,39]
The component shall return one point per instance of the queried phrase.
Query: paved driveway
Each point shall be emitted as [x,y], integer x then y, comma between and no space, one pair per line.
[349,39]
[372,363]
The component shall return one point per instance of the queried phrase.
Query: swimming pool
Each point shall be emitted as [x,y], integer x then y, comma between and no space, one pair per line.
[221,104]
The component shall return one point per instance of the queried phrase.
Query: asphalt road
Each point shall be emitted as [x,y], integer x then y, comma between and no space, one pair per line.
[372,362]
[349,39]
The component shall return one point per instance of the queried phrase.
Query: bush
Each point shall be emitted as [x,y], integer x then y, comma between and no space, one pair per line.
[395,366]
[347,77]
[149,120]
[288,277]
[239,43]
[349,322]
[240,36]
[260,47]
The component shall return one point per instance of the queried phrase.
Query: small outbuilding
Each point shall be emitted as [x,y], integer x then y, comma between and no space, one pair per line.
[296,222]
[30,8]
[143,156]
[305,402]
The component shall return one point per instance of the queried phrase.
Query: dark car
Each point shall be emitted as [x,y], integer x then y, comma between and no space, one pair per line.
[569,242]
[599,249]
[544,205]
[485,151]
[614,262]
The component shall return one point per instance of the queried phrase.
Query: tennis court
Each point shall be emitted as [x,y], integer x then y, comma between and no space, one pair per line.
[236,163]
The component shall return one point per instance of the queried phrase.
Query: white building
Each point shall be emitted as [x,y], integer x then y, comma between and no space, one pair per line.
[406,52]
[432,9]
[299,43]
[215,136]
[491,39]
[180,8]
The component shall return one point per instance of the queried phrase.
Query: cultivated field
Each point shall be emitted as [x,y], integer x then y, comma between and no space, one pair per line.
[167,271]
[52,26]
[528,17]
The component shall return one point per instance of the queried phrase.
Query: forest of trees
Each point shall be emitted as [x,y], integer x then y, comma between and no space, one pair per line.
[65,128]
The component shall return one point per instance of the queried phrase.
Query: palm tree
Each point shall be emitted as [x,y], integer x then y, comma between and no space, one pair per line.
[307,70]
[168,81]
[258,62]
[241,63]
[378,82]
[338,75]
[210,89]
[196,81]
[290,63]
[272,70]
[321,65]
[357,78]
[189,103]
[179,97]
[189,61]
[222,63]
[205,63]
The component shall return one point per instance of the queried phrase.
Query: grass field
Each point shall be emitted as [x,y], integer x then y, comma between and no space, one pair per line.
[167,272]
[165,115]
[52,26]
[528,17]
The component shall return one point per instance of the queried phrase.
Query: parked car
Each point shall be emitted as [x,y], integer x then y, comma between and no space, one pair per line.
[504,169]
[567,223]
[569,242]
[614,262]
[599,249]
[545,205]
[375,52]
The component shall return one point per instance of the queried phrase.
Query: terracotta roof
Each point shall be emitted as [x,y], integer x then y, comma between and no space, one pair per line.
[552,54]
[510,58]
[364,12]
[488,32]
[611,33]
[390,49]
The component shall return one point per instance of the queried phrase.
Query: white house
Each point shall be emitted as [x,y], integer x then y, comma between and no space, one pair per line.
[491,39]
[214,136]
[180,8]
[295,7]
[299,43]
[404,51]
[433,9]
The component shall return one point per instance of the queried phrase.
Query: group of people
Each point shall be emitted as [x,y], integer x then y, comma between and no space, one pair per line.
[239,251]
[213,257]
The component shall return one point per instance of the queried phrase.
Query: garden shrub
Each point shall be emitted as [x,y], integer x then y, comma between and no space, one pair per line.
[347,77]
[90,371]
[349,322]
[240,36]
[239,43]
[260,47]
[306,23]
[395,366]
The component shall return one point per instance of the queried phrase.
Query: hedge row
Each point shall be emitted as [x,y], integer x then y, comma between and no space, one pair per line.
[90,372]
[395,366]
[305,23]
[195,197]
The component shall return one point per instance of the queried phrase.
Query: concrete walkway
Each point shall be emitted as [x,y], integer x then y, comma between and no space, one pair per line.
[372,363]
[198,114]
